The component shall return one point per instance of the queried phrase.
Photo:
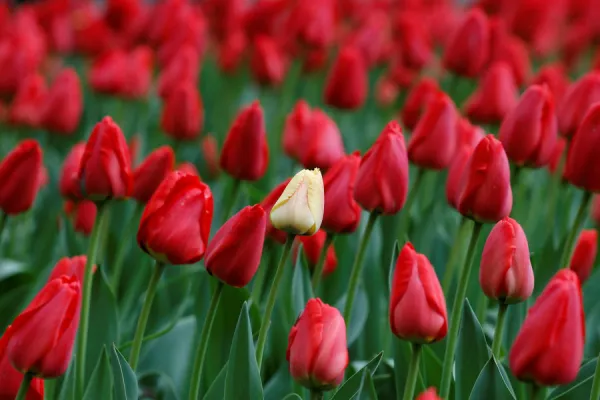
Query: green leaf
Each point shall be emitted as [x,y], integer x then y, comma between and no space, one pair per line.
[243,376]
[217,388]
[581,387]
[280,383]
[515,315]
[10,268]
[67,391]
[491,384]
[100,385]
[360,313]
[370,386]
[126,385]
[160,384]
[393,259]
[301,285]
[353,385]
[402,356]
[472,353]
[292,396]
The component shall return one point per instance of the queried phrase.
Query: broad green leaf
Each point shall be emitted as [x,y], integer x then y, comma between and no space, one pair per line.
[10,268]
[217,387]
[370,391]
[402,356]
[430,372]
[360,312]
[491,384]
[243,376]
[301,285]
[67,391]
[592,334]
[515,315]
[126,385]
[581,387]
[280,383]
[292,396]
[100,384]
[353,385]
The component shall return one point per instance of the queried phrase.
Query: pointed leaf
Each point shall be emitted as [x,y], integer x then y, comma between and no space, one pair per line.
[126,386]
[353,385]
[402,356]
[292,396]
[492,384]
[301,286]
[217,388]
[360,312]
[100,384]
[581,387]
[393,260]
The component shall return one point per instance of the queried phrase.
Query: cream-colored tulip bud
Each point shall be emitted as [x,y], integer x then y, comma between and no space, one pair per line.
[299,210]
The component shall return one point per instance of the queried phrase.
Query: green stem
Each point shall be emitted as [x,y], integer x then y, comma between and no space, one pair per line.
[405,216]
[264,326]
[203,346]
[235,190]
[24,388]
[497,343]
[595,393]
[50,389]
[101,221]
[413,373]
[318,272]
[136,347]
[538,392]
[316,395]
[131,227]
[481,310]
[259,279]
[579,219]
[357,267]
[461,293]
[455,252]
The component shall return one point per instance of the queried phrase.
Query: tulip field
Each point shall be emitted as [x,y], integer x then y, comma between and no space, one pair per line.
[295,199]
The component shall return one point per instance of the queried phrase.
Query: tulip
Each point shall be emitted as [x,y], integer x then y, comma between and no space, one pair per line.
[595,212]
[429,394]
[297,123]
[433,142]
[188,168]
[299,209]
[313,248]
[231,50]
[417,101]
[267,204]
[582,158]
[210,153]
[63,106]
[382,180]
[184,67]
[386,91]
[183,115]
[26,106]
[347,83]
[268,62]
[175,225]
[556,157]
[69,266]
[317,349]
[342,212]
[83,213]
[529,131]
[313,25]
[69,175]
[455,173]
[245,153]
[514,52]
[107,74]
[321,145]
[549,346]
[11,378]
[467,134]
[233,254]
[555,77]
[584,255]
[150,173]
[19,174]
[577,101]
[414,44]
[138,73]
[42,336]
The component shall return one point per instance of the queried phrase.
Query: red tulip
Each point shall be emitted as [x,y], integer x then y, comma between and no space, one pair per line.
[529,131]
[41,338]
[188,168]
[233,254]
[417,304]
[595,212]
[312,246]
[267,204]
[347,83]
[313,24]
[505,272]
[484,191]
[429,394]
[342,213]
[11,378]
[317,349]
[433,142]
[26,106]
[455,173]
[468,134]
[108,73]
[514,52]
[150,173]
[371,37]
[175,225]
[104,171]
[468,50]
[555,77]
[138,73]
[69,266]
[185,66]
[557,155]
[321,144]
[297,123]
[495,97]
[583,164]
[386,91]
[63,106]
[83,215]
[417,101]
[576,102]
[414,44]
[121,13]
[268,63]
[210,152]
[584,255]
[183,114]
[382,180]
[549,347]
[19,174]
[245,153]
[69,175]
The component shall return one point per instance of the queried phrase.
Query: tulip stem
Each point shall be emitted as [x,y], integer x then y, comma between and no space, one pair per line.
[456,315]
[264,326]
[357,267]
[318,272]
[579,218]
[24,388]
[413,373]
[405,215]
[538,392]
[259,279]
[316,394]
[233,195]
[136,346]
[123,247]
[203,346]
[455,252]
[595,393]
[497,343]
[101,221]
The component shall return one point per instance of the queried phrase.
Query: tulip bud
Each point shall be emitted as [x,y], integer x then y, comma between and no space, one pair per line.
[188,168]
[69,175]
[549,347]
[342,212]
[386,91]
[505,272]
[138,73]
[584,254]
[555,77]
[382,180]
[231,50]
[11,378]
[347,82]
[582,158]
[210,153]
[19,174]
[414,44]
[63,106]
[417,101]
[317,349]
[429,394]
[417,304]
[312,246]
[233,254]
[150,173]
[299,209]
[455,173]
[529,131]
[268,62]
[184,67]
[183,115]
[26,106]
[577,101]
[267,204]
[107,73]
[245,153]
[433,142]
[41,338]
[514,52]
[467,134]
[484,192]
[321,145]
[297,124]
[175,225]
[83,214]
[69,266]
[557,155]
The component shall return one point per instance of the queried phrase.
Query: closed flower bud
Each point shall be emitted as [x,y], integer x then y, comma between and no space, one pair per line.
[19,174]
[245,153]
[299,209]
[433,142]
[584,255]
[577,101]
[268,63]
[69,175]
[417,101]
[69,266]
[455,173]
[63,106]
[557,155]
[528,133]
[104,172]
[484,192]
[188,168]
[150,173]
[429,394]
[139,73]
[342,212]
[233,254]
[11,378]
[555,77]
[514,52]
[549,347]
[107,74]
[184,67]
[41,338]
[312,246]
[582,156]
[382,180]
[183,113]
[505,272]
[317,349]
[297,123]
[82,214]
[26,107]
[414,44]
[347,82]
[267,204]
[210,153]
[175,225]
[468,134]
[321,145]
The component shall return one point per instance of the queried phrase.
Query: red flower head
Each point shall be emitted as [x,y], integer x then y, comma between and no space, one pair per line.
[514,52]
[231,50]
[268,63]
[138,73]
[184,66]
[347,84]
[583,164]
[555,77]
[108,73]
[577,101]
[69,266]
[150,173]
[267,204]
[414,44]
[584,255]
[455,173]
[312,246]
[429,394]
[297,123]
[417,101]
[69,175]
[11,378]
[468,134]
[63,106]
[183,114]
[557,155]
[210,152]
[342,212]
[20,176]
[321,144]
[595,211]
[26,106]
[82,214]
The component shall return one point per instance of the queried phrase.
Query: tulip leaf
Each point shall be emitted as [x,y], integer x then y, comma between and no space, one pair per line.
[354,385]
[100,384]
[301,286]
[126,385]
[581,387]
[217,387]
[10,268]
[472,353]
[402,357]
[515,315]
[280,383]
[161,385]
[292,396]
[492,383]
[67,390]
[360,312]
[243,376]
[393,259]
